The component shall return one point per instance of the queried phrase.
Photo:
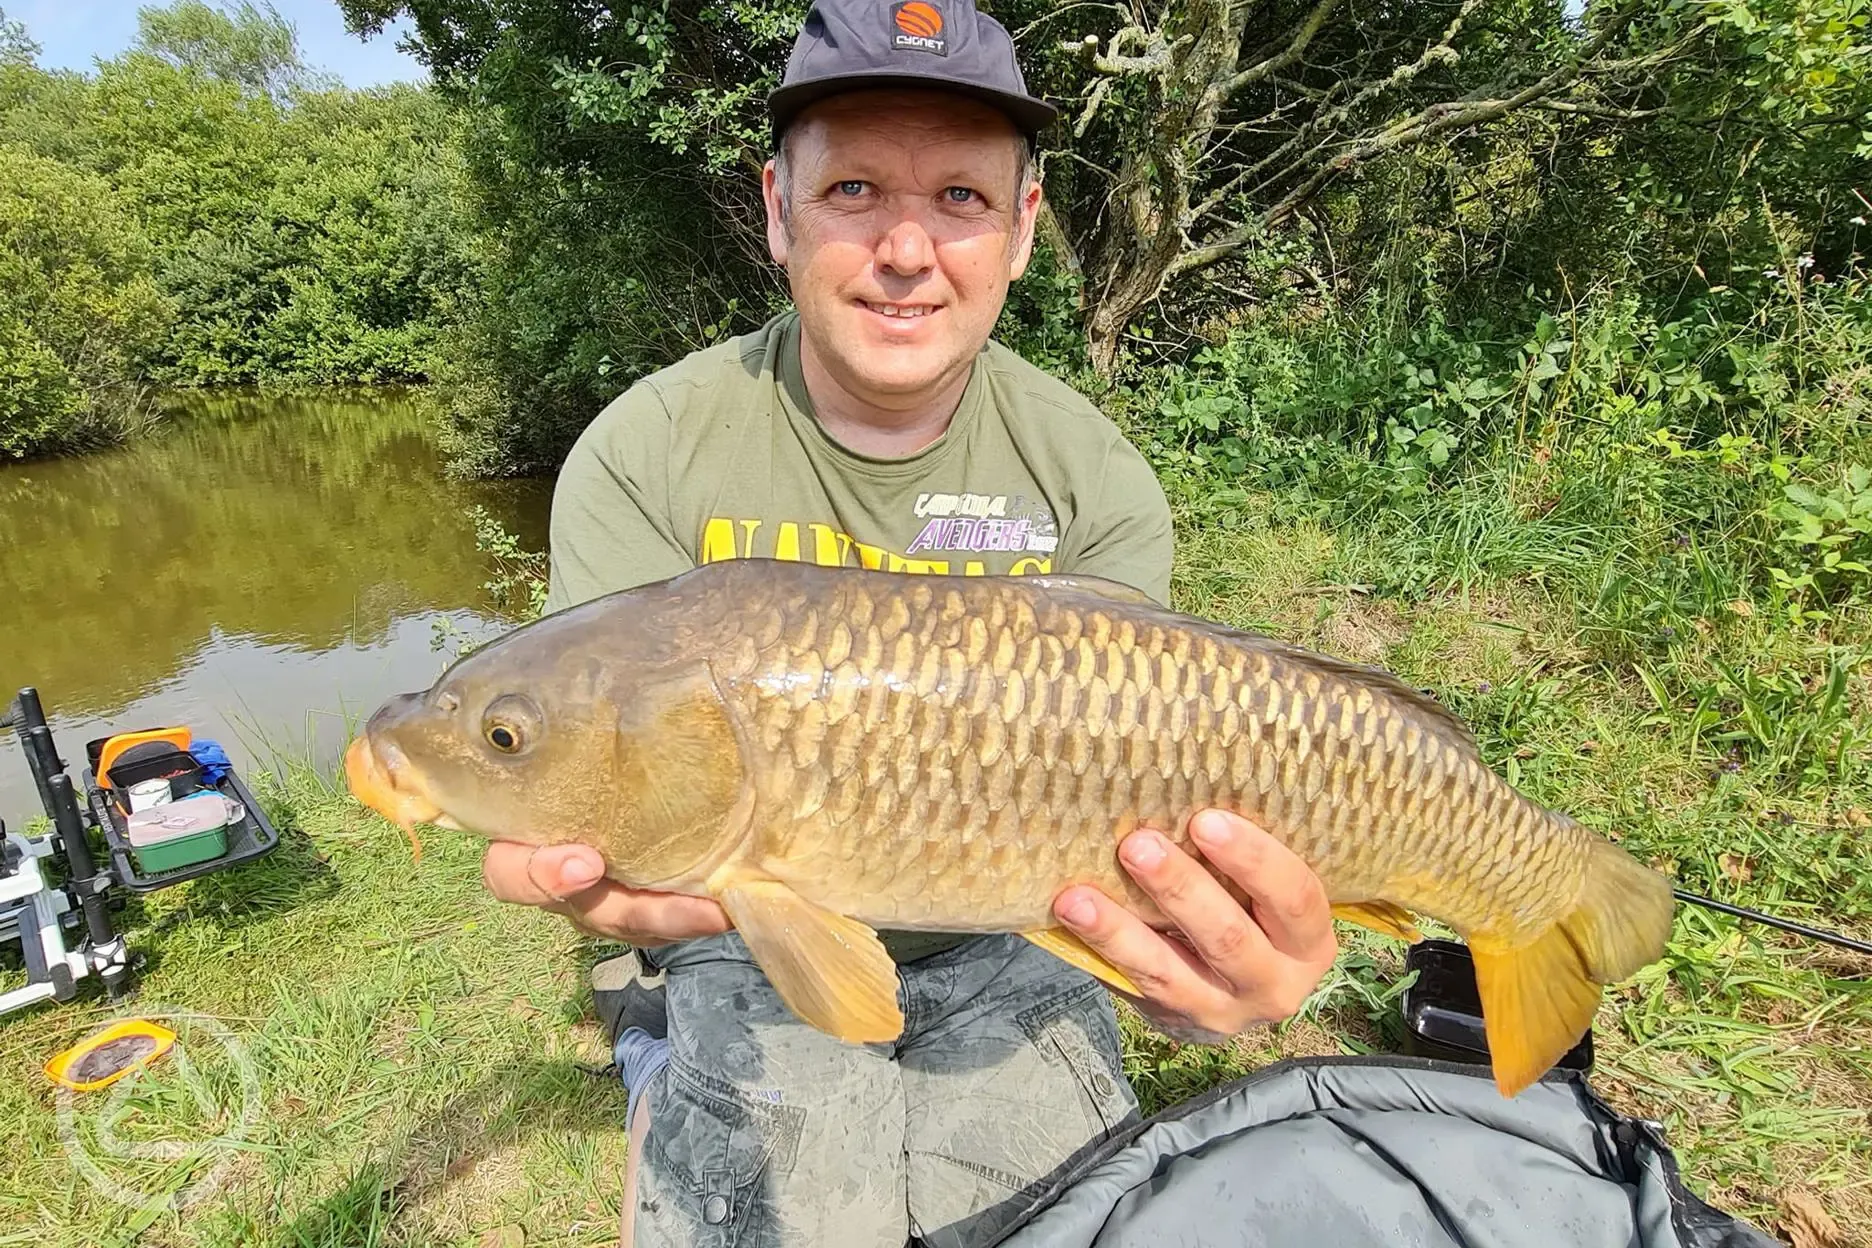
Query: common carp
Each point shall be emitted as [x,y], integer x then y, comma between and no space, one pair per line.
[829,751]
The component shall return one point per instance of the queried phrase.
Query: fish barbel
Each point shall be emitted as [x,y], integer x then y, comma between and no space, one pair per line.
[829,751]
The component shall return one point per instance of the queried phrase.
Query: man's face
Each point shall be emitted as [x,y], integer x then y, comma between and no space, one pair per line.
[903,224]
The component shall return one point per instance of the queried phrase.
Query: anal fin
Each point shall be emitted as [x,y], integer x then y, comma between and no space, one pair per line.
[1068,948]
[1382,917]
[832,971]
[1537,1001]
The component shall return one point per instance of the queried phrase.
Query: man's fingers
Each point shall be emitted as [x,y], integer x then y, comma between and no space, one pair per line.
[1289,901]
[532,875]
[1209,918]
[644,919]
[568,880]
[1160,969]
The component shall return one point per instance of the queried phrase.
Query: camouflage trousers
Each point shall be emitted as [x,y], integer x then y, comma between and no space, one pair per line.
[766,1132]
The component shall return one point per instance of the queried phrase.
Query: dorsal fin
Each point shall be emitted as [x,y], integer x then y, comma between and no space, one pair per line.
[1115,590]
[1438,715]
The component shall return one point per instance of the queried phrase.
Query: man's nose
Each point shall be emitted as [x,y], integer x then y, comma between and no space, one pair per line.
[906,248]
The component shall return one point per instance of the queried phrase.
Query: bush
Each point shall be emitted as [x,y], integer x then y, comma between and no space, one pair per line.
[1656,468]
[79,310]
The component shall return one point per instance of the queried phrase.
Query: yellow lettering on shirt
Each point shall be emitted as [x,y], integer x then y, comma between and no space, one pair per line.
[832,549]
[718,540]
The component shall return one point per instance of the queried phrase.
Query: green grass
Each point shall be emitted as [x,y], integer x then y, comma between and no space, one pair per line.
[1753,1048]
[414,1048]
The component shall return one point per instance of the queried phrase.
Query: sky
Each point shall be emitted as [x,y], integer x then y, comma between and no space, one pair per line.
[74,32]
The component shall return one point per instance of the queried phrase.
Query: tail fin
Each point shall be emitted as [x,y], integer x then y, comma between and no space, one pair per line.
[1539,996]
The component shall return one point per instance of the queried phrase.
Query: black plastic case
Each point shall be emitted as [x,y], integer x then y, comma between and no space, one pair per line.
[1443,1010]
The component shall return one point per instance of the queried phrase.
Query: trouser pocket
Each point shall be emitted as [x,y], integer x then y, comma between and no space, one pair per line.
[1078,1032]
[712,1157]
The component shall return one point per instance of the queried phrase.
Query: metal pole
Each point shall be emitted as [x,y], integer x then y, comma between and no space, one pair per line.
[1769,920]
[36,739]
[85,880]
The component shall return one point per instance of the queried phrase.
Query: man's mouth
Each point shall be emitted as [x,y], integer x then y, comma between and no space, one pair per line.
[900,311]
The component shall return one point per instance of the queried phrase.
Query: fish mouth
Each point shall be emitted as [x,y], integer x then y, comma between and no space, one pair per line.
[385,784]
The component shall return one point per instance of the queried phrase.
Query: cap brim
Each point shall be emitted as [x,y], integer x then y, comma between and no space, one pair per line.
[1028,114]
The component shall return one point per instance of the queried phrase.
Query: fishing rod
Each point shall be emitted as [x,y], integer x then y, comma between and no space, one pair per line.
[1769,920]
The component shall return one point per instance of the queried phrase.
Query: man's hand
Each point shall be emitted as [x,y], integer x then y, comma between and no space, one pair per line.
[1237,969]
[570,880]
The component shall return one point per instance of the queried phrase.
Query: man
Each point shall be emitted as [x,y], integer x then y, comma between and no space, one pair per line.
[878,425]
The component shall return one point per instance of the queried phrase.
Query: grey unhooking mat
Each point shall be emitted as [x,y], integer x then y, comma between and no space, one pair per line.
[1394,1151]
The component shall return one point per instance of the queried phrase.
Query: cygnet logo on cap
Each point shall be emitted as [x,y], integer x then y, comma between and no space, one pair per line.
[919,27]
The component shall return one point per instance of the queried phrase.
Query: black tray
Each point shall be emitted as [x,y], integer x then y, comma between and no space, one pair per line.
[1443,1009]
[253,837]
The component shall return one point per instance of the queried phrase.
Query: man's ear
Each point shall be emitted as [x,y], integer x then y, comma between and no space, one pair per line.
[776,216]
[1024,229]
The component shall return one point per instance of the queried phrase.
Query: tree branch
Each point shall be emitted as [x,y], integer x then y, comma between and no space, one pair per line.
[1439,52]
[1281,60]
[1049,227]
[1429,122]
[1156,53]
[1599,110]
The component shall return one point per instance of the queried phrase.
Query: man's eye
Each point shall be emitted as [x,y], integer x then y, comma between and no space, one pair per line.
[851,189]
[960,194]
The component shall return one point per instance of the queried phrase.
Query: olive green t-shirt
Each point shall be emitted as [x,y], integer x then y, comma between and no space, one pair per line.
[719,456]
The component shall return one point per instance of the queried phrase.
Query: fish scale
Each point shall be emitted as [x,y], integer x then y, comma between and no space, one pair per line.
[1177,754]
[827,751]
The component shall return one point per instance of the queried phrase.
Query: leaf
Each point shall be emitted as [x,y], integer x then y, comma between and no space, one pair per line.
[1654,686]
[1804,498]
[1808,1224]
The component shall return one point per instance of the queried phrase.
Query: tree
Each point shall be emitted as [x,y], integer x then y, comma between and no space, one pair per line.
[1198,127]
[1214,156]
[253,47]
[1204,127]
[607,247]
[16,46]
[309,237]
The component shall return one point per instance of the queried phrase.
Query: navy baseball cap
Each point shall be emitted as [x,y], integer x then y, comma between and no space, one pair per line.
[846,45]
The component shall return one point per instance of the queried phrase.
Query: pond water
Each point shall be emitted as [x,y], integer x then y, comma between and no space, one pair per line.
[263,568]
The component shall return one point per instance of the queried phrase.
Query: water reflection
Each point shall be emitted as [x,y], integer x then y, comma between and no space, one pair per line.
[257,569]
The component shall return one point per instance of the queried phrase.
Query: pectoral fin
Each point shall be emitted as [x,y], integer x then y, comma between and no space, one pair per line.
[1068,948]
[1381,917]
[831,971]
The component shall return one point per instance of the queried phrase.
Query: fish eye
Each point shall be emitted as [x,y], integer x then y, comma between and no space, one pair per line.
[511,724]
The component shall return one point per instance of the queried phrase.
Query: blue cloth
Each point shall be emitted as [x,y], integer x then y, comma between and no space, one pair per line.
[213,759]
[638,1055]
